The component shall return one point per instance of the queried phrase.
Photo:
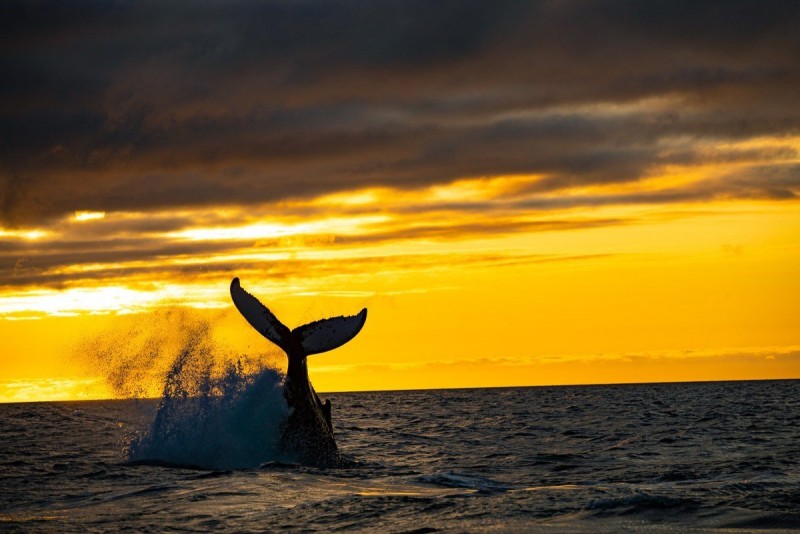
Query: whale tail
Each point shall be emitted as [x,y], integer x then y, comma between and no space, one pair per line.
[313,338]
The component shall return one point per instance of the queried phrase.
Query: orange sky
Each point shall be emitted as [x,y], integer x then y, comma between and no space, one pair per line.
[614,202]
[683,292]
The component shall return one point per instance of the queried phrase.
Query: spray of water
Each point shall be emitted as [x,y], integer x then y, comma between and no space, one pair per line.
[217,410]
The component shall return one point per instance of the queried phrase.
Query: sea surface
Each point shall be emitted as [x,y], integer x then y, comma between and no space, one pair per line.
[654,457]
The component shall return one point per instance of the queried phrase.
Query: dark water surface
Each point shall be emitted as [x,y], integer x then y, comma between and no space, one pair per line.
[659,457]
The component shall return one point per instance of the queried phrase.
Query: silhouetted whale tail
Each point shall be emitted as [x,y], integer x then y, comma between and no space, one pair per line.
[313,338]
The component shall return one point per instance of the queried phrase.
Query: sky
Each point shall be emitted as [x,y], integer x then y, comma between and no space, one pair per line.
[521,193]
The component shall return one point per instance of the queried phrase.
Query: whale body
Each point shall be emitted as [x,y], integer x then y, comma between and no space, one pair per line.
[307,435]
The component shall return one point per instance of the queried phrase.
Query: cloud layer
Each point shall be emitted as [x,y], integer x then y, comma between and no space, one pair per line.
[143,106]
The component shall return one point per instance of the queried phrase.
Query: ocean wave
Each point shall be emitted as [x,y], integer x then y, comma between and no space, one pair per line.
[466,481]
[640,502]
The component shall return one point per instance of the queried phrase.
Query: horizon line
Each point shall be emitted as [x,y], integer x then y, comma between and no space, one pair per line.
[595,384]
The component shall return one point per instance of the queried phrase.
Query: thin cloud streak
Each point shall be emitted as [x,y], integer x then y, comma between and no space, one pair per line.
[134,290]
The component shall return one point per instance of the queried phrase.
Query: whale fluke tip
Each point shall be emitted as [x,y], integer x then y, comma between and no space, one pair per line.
[328,334]
[259,315]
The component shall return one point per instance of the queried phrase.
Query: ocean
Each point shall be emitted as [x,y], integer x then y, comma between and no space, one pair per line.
[649,457]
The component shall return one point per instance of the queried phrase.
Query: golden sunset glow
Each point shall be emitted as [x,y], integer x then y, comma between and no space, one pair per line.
[89,215]
[615,293]
[505,223]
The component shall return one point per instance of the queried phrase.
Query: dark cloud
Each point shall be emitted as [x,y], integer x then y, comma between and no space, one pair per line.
[146,105]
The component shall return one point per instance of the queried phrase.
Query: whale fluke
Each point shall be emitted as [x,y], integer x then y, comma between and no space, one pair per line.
[328,334]
[315,337]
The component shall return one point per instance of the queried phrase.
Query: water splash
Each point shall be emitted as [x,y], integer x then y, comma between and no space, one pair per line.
[217,410]
[210,419]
